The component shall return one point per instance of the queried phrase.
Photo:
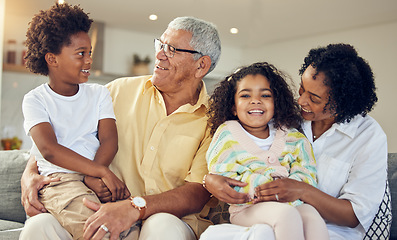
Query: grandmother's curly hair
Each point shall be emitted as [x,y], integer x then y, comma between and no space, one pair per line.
[349,77]
[50,30]
[221,103]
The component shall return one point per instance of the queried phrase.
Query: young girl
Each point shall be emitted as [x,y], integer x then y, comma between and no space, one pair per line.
[253,118]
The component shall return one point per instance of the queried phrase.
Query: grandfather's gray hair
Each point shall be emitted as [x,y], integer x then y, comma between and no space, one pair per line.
[205,38]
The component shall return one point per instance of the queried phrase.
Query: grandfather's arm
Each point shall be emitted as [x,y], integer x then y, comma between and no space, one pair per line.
[31,183]
[119,216]
[187,199]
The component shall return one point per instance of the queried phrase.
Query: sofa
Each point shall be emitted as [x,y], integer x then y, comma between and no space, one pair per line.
[12,215]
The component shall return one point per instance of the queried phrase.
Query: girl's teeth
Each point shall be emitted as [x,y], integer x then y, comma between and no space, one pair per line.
[255,111]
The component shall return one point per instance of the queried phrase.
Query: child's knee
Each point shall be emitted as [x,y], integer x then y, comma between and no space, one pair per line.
[289,214]
[308,213]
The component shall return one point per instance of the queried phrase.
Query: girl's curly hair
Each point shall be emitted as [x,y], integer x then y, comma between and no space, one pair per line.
[349,77]
[221,102]
[50,30]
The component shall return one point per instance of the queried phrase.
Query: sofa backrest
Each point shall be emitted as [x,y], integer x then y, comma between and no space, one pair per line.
[12,164]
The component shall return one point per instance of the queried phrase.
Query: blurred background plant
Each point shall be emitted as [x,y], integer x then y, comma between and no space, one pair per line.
[11,143]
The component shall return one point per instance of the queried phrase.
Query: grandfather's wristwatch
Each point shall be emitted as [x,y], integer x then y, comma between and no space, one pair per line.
[140,204]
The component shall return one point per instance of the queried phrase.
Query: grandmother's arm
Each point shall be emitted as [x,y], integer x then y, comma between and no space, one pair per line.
[338,211]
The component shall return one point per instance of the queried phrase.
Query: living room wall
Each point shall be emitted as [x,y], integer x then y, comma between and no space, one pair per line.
[119,48]
[376,44]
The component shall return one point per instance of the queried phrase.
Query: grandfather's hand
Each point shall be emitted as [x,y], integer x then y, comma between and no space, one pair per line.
[116,216]
[287,190]
[31,183]
[222,188]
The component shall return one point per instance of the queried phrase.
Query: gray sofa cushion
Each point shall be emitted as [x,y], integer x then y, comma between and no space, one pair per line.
[5,225]
[392,175]
[10,230]
[380,227]
[12,164]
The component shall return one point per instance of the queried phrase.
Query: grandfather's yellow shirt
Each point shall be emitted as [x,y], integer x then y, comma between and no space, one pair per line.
[157,152]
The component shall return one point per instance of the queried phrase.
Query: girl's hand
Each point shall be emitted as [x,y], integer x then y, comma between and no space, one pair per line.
[287,190]
[117,188]
[222,188]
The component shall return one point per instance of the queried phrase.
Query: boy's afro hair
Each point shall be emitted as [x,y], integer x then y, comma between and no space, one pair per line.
[50,30]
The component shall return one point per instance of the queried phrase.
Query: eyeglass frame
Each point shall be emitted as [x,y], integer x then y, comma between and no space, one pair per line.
[162,47]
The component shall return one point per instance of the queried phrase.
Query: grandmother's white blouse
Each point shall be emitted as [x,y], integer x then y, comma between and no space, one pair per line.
[352,164]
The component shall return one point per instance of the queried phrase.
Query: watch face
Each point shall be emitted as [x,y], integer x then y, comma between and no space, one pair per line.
[138,201]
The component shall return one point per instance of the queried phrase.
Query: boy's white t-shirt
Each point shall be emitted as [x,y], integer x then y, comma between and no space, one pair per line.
[74,119]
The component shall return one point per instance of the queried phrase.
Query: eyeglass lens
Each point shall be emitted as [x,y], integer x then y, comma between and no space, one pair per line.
[168,51]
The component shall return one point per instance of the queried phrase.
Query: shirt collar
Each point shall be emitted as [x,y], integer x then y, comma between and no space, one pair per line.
[148,85]
[349,129]
[202,101]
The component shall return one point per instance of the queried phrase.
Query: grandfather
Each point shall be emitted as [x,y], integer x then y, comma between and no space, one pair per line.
[163,139]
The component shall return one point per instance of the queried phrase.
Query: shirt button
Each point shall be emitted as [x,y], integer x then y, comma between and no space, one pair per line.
[152,148]
[271,160]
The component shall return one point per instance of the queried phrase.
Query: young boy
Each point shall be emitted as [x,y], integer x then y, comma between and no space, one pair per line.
[72,123]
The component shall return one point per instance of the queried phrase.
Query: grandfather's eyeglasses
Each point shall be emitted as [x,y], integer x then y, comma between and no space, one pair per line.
[169,50]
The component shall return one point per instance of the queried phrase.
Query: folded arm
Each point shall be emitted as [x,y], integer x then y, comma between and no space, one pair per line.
[44,137]
[108,138]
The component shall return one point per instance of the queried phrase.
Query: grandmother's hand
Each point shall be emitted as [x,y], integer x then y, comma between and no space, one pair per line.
[287,190]
[222,188]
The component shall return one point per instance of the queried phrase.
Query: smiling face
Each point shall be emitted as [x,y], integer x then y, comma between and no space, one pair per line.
[254,104]
[170,74]
[314,95]
[72,66]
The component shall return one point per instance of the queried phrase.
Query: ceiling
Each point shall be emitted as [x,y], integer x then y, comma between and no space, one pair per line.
[259,21]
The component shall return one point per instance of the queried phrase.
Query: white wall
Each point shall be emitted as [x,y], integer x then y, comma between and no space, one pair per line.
[15,86]
[120,45]
[377,44]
